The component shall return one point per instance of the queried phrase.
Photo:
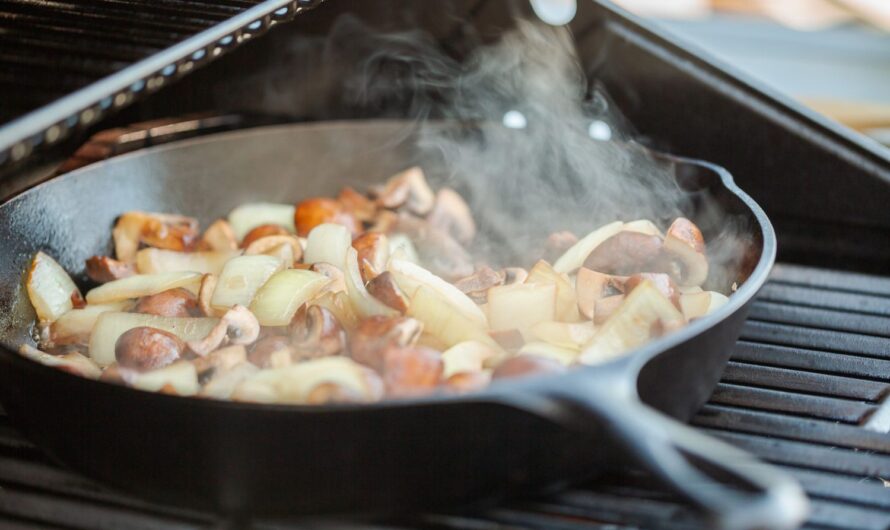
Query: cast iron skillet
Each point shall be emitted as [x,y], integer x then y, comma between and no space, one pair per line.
[237,458]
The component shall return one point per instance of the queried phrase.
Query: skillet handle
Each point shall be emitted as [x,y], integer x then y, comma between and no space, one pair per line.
[677,454]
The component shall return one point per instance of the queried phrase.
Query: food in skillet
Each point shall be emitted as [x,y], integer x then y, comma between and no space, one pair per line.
[357,298]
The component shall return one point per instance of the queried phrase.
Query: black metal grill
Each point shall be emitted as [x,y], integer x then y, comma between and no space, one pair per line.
[807,389]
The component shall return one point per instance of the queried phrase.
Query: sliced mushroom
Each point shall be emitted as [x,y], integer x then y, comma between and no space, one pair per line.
[285,246]
[385,221]
[466,382]
[73,363]
[384,288]
[409,189]
[330,392]
[661,281]
[167,231]
[361,207]
[514,275]
[222,383]
[313,212]
[205,293]
[438,251]
[685,246]
[476,285]
[558,243]
[626,253]
[508,339]
[411,370]
[219,236]
[606,307]
[221,360]
[335,274]
[450,214]
[143,349]
[526,365]
[316,332]
[237,326]
[591,286]
[373,253]
[265,351]
[177,302]
[263,231]
[376,334]
[103,269]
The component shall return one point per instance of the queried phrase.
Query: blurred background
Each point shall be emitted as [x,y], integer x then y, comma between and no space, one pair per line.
[832,55]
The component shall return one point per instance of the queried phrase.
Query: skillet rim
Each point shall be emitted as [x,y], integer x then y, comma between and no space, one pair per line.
[631,363]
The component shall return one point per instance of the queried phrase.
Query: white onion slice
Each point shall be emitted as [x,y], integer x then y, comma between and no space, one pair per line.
[364,304]
[410,277]
[71,362]
[156,260]
[181,376]
[80,322]
[575,256]
[140,285]
[222,385]
[443,321]
[328,243]
[111,325]
[49,288]
[566,298]
[469,356]
[696,305]
[292,384]
[521,306]
[565,356]
[248,216]
[241,278]
[564,334]
[279,299]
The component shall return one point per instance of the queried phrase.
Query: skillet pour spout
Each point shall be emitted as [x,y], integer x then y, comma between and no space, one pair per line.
[428,453]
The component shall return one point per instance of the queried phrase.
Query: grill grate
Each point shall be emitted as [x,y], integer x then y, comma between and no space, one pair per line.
[811,369]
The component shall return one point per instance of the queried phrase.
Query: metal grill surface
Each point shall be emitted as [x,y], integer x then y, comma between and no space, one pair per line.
[807,389]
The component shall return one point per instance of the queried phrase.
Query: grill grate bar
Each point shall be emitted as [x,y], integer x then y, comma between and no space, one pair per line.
[776,400]
[839,300]
[815,383]
[840,488]
[825,279]
[818,339]
[781,313]
[863,368]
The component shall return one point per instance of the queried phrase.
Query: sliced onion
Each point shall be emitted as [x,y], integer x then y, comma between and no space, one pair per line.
[565,356]
[564,334]
[181,376]
[328,243]
[156,260]
[364,304]
[631,325]
[78,323]
[566,299]
[279,298]
[222,385]
[111,325]
[410,277]
[521,306]
[292,384]
[72,362]
[50,288]
[443,321]
[341,306]
[574,257]
[248,216]
[140,285]
[241,278]
[696,305]
[643,226]
[469,356]
[401,247]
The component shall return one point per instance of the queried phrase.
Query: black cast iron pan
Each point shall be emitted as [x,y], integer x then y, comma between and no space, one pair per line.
[237,458]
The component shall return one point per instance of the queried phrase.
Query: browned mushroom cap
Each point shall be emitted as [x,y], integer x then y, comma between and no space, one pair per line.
[373,252]
[685,245]
[361,207]
[626,253]
[316,332]
[476,285]
[205,293]
[450,214]
[411,370]
[177,302]
[237,326]
[661,281]
[313,212]
[218,236]
[465,382]
[103,269]
[409,189]
[167,231]
[287,247]
[262,352]
[525,365]
[335,274]
[261,232]
[591,286]
[384,288]
[144,348]
[374,335]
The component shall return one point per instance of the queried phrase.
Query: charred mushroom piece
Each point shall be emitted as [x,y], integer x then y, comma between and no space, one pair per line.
[316,332]
[102,269]
[526,365]
[685,245]
[313,212]
[143,349]
[177,302]
[411,371]
[373,253]
[167,231]
[261,232]
[626,253]
[335,274]
[376,334]
[361,207]
[205,293]
[409,189]
[661,281]
[384,288]
[476,286]
[450,214]
[237,326]
[285,246]
[219,236]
